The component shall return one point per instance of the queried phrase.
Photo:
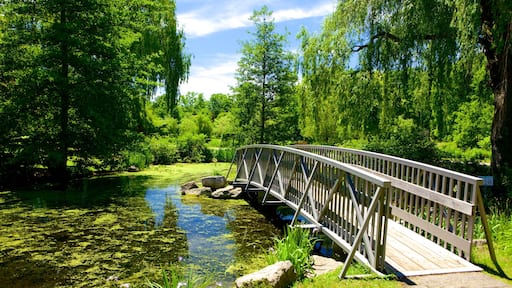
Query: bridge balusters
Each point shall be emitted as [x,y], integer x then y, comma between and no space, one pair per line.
[447,220]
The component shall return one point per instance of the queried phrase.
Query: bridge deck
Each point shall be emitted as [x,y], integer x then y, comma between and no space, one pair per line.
[410,254]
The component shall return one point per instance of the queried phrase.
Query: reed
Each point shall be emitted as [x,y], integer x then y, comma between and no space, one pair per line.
[296,246]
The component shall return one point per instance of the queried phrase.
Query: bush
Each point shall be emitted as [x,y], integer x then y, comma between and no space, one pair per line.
[164,151]
[224,154]
[405,140]
[192,148]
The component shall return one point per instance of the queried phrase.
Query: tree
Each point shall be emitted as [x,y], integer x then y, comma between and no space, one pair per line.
[220,103]
[265,83]
[438,44]
[71,76]
[161,49]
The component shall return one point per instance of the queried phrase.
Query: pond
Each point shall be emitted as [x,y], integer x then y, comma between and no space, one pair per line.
[126,228]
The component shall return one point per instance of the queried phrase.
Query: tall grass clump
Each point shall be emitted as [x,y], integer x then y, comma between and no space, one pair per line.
[296,246]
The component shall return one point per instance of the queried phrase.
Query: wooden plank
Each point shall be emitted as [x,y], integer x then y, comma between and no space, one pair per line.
[405,250]
[433,229]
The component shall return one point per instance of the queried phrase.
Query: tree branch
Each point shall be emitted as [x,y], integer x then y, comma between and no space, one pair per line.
[396,39]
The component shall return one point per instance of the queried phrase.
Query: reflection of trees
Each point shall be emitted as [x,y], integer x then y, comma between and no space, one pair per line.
[251,231]
[168,241]
[98,228]
[254,234]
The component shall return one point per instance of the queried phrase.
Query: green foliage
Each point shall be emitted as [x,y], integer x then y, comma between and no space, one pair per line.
[225,127]
[473,125]
[164,151]
[296,246]
[224,154]
[404,140]
[192,148]
[264,94]
[220,103]
[500,223]
[76,77]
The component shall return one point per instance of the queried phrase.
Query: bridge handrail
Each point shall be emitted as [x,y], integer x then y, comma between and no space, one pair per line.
[381,181]
[438,203]
[349,204]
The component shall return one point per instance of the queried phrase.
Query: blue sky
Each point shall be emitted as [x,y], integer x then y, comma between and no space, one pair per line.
[215,28]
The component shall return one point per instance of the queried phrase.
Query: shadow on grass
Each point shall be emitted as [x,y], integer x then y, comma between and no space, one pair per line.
[496,271]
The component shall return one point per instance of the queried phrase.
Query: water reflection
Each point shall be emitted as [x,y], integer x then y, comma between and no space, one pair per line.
[125,227]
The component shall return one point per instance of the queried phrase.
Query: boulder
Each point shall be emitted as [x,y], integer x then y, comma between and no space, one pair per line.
[278,275]
[228,192]
[214,182]
[202,191]
[133,169]
[189,185]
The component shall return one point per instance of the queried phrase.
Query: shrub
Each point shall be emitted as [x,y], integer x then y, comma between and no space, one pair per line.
[404,139]
[224,154]
[164,151]
[192,148]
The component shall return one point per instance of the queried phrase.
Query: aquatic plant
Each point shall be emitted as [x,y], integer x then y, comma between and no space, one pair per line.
[175,278]
[296,246]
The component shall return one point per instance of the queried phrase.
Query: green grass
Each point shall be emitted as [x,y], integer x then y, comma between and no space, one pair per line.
[184,172]
[501,228]
[331,279]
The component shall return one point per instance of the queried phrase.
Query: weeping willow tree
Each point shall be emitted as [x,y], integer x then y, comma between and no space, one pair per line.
[414,60]
[162,51]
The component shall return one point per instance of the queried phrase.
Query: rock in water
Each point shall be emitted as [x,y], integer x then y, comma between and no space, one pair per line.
[278,275]
[133,169]
[202,191]
[214,182]
[228,192]
[189,185]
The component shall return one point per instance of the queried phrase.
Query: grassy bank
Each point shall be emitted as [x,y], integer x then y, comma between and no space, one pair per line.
[183,172]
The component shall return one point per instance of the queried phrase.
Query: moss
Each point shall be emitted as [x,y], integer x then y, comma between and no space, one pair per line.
[106,219]
[104,226]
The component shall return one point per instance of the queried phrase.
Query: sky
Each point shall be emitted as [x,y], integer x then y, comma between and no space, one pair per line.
[214,30]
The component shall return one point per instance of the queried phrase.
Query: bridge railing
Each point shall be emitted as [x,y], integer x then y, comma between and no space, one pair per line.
[437,203]
[349,204]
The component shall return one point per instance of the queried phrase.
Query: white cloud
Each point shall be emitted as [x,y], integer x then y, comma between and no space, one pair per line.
[228,15]
[302,13]
[213,78]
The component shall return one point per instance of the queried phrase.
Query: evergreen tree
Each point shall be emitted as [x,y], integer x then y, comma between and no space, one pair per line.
[265,97]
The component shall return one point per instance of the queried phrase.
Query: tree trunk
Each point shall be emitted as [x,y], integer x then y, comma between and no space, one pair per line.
[496,40]
[59,171]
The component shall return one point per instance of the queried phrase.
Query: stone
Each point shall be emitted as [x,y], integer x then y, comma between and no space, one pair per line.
[278,275]
[214,182]
[189,185]
[202,191]
[322,265]
[133,169]
[228,192]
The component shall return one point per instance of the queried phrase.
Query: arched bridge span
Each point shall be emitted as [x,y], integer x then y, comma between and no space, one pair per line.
[388,213]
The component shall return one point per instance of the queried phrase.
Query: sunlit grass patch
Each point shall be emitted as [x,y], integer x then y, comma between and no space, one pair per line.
[501,228]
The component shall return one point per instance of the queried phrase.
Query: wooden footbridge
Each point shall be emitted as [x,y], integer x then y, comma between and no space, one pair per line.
[390,214]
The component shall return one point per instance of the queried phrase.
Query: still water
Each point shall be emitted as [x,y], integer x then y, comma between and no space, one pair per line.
[111,231]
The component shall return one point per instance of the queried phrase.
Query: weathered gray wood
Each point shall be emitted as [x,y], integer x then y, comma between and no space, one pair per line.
[314,187]
[446,199]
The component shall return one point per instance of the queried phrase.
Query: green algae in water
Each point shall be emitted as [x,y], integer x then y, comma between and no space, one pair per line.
[123,227]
